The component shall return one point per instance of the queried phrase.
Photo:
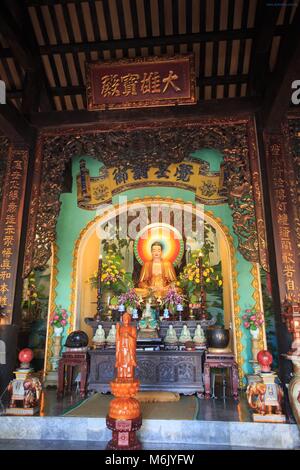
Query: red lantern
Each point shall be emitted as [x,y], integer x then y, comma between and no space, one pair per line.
[265,360]
[25,356]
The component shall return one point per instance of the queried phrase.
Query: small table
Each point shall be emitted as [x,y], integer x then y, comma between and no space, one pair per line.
[69,360]
[221,361]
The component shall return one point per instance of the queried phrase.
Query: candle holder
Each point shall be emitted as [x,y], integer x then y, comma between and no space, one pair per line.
[100,305]
[191,314]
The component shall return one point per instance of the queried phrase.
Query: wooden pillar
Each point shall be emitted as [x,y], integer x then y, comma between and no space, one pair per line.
[282,245]
[12,237]
[281,186]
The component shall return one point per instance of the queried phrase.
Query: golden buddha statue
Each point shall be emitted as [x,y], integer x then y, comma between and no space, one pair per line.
[157,275]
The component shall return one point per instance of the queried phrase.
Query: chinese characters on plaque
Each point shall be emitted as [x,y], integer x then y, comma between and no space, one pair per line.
[143,82]
[281,214]
[208,186]
[10,227]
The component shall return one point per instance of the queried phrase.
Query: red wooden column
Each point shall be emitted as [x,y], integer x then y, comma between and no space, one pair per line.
[11,225]
[282,182]
[11,228]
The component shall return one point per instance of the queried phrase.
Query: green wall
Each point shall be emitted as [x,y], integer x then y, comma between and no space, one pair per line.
[72,220]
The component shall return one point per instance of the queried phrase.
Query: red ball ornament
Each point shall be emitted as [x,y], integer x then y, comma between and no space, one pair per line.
[26,355]
[265,360]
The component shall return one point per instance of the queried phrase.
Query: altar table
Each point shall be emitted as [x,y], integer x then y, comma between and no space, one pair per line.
[178,371]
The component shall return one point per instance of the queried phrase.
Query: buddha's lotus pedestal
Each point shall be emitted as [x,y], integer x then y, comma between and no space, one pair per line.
[124,416]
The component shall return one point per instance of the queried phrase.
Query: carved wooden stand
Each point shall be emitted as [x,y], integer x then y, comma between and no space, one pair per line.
[68,361]
[124,433]
[221,360]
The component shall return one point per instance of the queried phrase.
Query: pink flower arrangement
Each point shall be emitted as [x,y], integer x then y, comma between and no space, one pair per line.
[253,319]
[59,317]
[129,299]
[172,298]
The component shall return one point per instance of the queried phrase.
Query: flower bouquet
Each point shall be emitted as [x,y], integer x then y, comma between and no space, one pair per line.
[172,299]
[113,277]
[253,319]
[194,274]
[59,320]
[59,317]
[130,299]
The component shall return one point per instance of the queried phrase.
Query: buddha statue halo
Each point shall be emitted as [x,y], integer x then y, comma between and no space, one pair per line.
[157,275]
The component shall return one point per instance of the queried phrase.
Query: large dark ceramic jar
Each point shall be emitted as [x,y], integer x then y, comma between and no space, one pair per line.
[217,337]
[77,339]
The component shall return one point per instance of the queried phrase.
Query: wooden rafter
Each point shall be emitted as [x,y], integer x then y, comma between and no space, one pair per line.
[112,45]
[278,94]
[266,20]
[14,126]
[19,33]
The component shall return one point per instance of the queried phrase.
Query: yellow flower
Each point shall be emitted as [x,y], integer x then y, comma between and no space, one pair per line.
[190,278]
[220,282]
[207,280]
[205,273]
[197,280]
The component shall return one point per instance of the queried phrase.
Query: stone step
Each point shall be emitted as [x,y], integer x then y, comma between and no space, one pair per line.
[160,432]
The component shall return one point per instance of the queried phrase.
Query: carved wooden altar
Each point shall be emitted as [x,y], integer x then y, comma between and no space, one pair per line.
[178,371]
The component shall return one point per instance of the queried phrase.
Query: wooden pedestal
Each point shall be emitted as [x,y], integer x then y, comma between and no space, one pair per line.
[69,360]
[124,433]
[221,361]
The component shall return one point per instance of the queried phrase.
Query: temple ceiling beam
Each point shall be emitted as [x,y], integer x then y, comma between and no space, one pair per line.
[18,32]
[15,127]
[259,71]
[229,107]
[159,41]
[278,93]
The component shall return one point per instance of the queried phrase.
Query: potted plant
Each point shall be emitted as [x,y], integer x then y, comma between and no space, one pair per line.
[130,300]
[172,300]
[59,320]
[114,279]
[253,321]
[196,275]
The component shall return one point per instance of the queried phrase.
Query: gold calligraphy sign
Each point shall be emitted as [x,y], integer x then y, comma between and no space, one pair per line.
[93,191]
[141,82]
